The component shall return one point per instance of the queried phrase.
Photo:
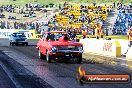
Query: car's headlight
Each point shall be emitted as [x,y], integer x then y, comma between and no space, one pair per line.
[80,48]
[54,49]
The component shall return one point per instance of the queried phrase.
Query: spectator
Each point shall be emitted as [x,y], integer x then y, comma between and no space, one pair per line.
[84,33]
[130,39]
[101,33]
[97,31]
[130,36]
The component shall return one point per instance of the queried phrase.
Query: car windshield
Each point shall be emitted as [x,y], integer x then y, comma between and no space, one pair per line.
[54,37]
[19,35]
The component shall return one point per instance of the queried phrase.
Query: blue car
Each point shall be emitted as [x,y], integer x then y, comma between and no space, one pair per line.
[18,38]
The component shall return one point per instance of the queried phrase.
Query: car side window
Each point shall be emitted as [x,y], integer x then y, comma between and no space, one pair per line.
[44,36]
[47,37]
[50,37]
[14,35]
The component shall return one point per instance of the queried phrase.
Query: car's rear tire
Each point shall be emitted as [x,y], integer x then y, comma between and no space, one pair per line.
[79,59]
[48,57]
[41,56]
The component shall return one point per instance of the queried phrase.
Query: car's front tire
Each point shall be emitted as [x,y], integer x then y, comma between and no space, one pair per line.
[79,59]
[26,44]
[48,57]
[10,43]
[41,56]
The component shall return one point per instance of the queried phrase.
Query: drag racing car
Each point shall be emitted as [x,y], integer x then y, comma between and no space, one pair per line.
[18,38]
[56,45]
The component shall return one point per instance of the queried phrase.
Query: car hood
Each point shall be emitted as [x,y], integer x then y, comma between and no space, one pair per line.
[64,43]
[19,38]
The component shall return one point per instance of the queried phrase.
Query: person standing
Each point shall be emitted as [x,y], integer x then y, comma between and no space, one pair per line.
[84,33]
[97,30]
[101,33]
[129,39]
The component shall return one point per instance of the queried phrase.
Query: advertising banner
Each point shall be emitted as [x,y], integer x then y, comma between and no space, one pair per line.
[4,33]
[30,34]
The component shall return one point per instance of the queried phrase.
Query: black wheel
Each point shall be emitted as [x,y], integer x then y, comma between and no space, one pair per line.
[48,57]
[41,56]
[81,80]
[10,43]
[79,59]
[26,44]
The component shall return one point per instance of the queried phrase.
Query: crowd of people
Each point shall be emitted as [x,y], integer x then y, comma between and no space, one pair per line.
[80,19]
[74,19]
[124,19]
[89,19]
[15,16]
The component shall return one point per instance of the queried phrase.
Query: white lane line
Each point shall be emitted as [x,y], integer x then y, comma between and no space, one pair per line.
[15,82]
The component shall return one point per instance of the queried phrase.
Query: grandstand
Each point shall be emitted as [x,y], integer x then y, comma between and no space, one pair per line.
[23,2]
[85,17]
[70,15]
[123,21]
[81,17]
[23,17]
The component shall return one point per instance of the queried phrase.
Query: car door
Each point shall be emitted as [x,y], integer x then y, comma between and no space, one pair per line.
[43,44]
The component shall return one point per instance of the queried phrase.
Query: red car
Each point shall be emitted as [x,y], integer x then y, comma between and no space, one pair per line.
[56,45]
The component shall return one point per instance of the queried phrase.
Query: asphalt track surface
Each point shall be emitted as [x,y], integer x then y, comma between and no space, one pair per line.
[31,72]
[5,81]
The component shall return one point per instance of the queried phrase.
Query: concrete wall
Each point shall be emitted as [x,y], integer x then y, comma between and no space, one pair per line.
[129,58]
[102,47]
